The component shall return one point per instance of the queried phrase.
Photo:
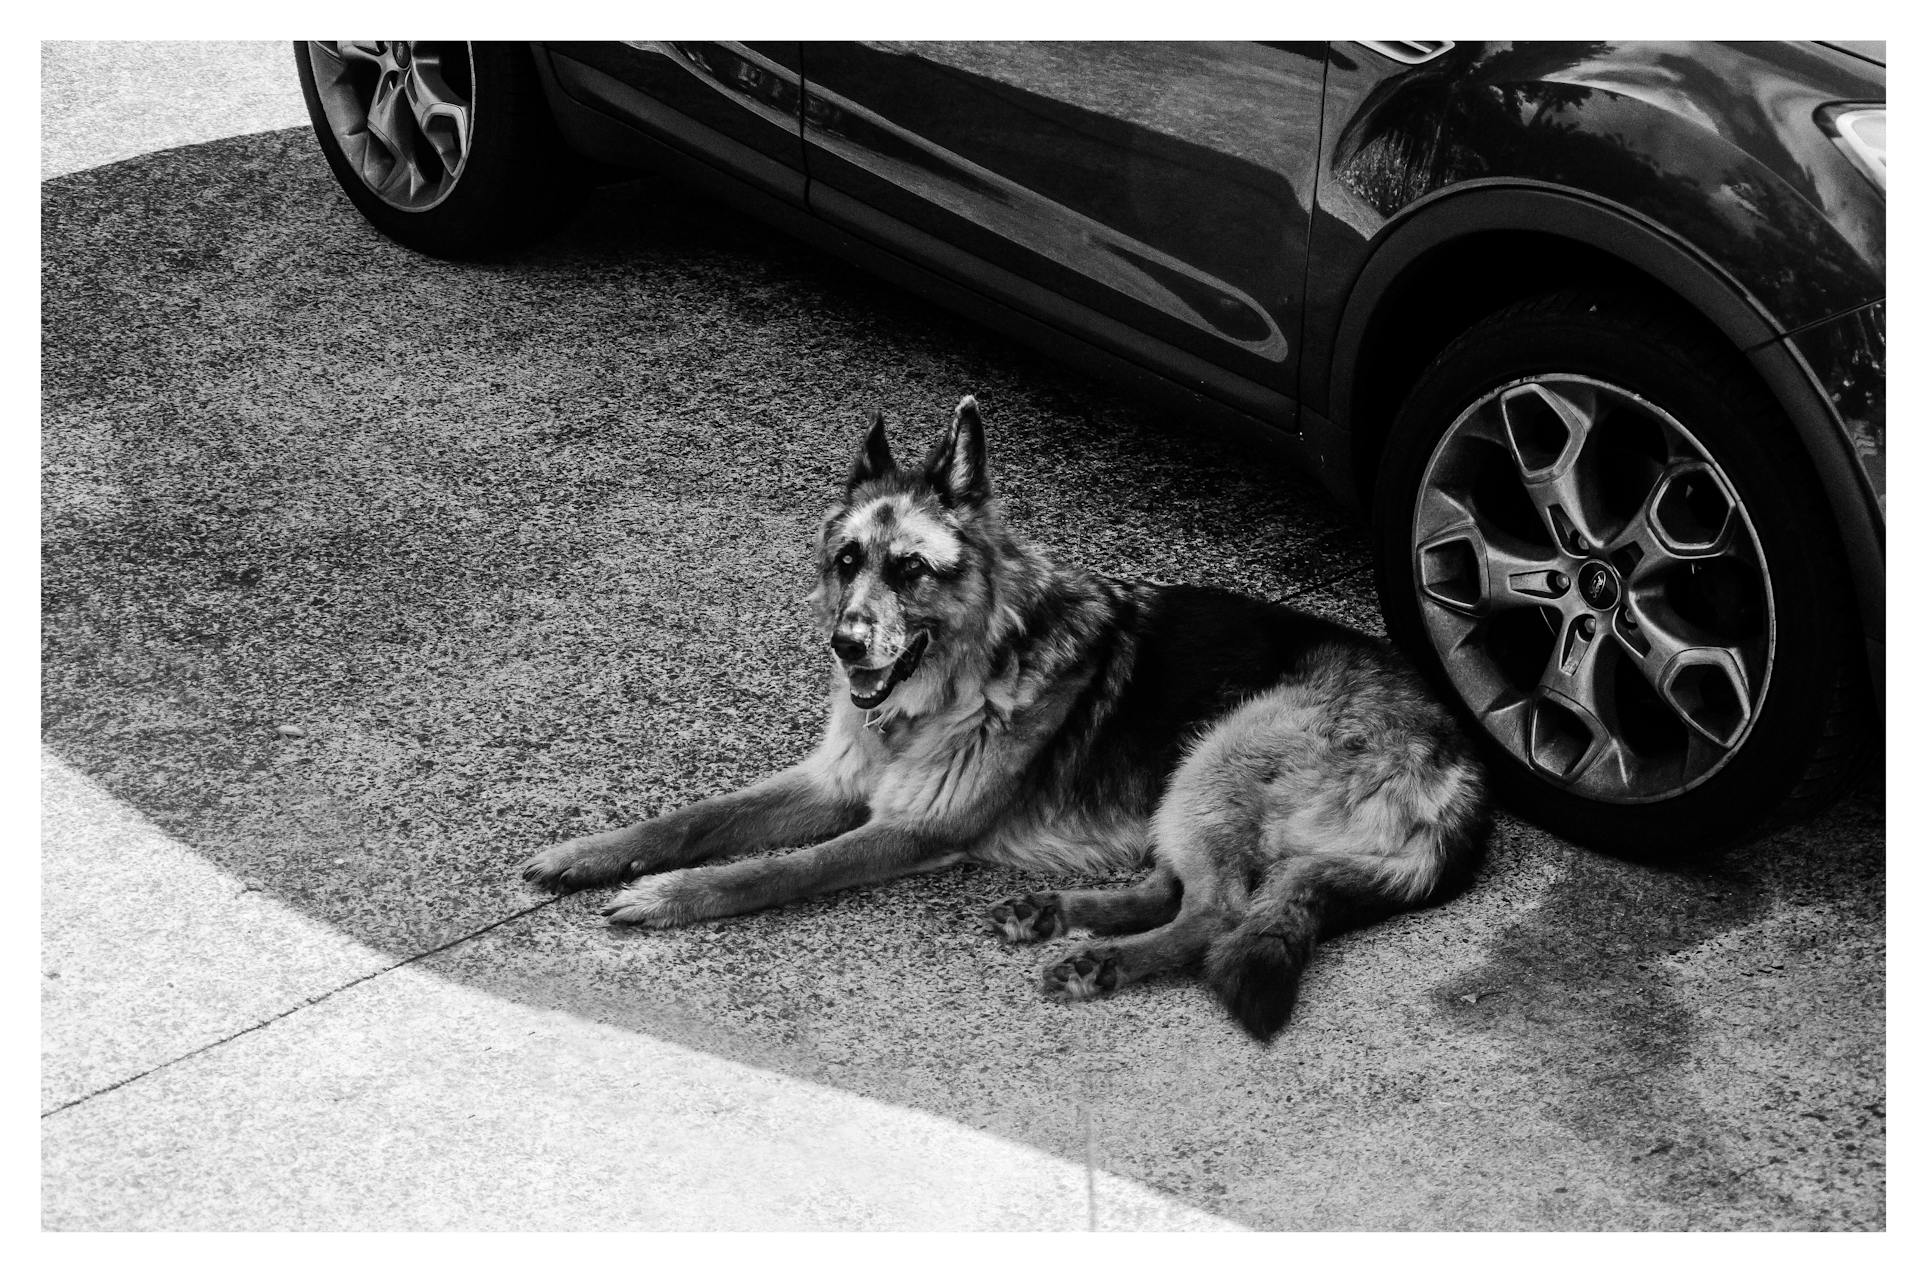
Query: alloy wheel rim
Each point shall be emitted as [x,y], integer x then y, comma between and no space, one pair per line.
[1594,588]
[402,112]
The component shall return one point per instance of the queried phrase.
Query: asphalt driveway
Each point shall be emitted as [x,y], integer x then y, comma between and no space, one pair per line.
[366,575]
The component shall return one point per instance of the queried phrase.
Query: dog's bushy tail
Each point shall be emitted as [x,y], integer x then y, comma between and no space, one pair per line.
[1255,968]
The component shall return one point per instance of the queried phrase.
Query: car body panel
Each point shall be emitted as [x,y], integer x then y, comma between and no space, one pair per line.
[1843,362]
[1072,167]
[1874,51]
[1692,138]
[1847,358]
[1045,197]
[738,104]
[593,116]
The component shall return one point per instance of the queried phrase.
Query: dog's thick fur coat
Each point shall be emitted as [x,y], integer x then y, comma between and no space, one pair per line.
[1288,777]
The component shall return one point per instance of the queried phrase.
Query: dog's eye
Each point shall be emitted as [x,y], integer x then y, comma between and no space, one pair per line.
[912,567]
[847,560]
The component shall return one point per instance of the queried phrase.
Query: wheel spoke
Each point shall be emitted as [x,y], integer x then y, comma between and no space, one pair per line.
[1638,538]
[1452,630]
[1507,720]
[384,118]
[343,52]
[1546,431]
[443,116]
[1704,684]
[388,120]
[1581,655]
[1571,734]
[1688,515]
[1614,767]
[1572,728]
[1472,568]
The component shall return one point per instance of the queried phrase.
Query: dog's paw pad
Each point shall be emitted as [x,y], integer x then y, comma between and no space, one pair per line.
[1088,973]
[1034,917]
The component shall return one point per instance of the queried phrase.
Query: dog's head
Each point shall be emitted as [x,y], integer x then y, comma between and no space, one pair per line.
[900,558]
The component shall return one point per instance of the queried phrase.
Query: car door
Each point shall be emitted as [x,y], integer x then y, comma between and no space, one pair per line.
[1150,196]
[735,106]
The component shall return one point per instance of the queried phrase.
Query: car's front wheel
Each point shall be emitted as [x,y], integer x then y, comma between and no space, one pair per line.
[445,146]
[1595,531]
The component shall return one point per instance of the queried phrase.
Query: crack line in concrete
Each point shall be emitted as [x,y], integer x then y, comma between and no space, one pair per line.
[302,1006]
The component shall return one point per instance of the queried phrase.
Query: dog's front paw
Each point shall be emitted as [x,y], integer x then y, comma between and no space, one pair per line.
[591,861]
[559,869]
[1034,917]
[1086,973]
[661,901]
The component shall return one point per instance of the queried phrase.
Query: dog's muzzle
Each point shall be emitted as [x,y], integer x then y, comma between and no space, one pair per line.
[869,686]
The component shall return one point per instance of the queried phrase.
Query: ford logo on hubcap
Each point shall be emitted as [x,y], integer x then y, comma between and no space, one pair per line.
[1599,587]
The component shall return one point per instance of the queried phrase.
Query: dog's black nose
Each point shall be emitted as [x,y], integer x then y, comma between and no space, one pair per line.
[849,649]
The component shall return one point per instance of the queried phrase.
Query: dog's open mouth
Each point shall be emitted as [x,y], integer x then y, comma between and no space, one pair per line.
[869,686]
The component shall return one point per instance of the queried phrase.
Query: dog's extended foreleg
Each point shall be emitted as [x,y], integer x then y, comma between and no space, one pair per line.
[789,807]
[868,854]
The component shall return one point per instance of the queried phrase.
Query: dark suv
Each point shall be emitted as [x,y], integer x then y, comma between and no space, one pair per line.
[1593,331]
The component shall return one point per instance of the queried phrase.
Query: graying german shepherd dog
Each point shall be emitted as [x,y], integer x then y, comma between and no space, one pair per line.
[1287,776]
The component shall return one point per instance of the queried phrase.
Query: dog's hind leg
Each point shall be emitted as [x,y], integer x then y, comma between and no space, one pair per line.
[1102,966]
[792,806]
[1040,916]
[1205,834]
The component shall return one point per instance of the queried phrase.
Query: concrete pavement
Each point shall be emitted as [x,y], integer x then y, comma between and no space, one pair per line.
[518,550]
[104,100]
[216,1061]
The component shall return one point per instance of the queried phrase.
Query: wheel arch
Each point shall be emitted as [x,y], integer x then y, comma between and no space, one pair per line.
[1450,260]
[1463,253]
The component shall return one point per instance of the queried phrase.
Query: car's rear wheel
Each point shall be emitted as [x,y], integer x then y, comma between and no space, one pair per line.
[1596,532]
[445,146]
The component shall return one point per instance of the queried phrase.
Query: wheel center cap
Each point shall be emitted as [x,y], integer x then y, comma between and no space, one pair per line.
[1599,586]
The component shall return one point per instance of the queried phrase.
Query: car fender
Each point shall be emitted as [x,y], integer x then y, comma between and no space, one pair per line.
[1624,235]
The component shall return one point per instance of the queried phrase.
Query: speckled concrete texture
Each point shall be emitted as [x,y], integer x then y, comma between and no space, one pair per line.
[510,550]
[519,550]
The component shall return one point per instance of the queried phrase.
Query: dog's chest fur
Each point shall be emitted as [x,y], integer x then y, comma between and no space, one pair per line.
[947,765]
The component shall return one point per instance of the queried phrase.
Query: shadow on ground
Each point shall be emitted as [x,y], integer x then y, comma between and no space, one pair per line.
[519,549]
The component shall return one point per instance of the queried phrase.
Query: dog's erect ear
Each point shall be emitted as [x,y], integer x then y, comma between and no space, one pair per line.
[873,459]
[957,464]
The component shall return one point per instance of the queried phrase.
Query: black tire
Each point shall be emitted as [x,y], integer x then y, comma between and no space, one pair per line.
[517,182]
[1795,742]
